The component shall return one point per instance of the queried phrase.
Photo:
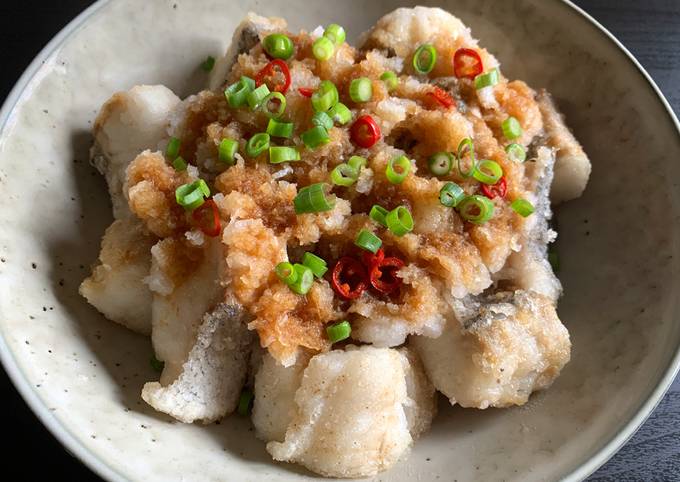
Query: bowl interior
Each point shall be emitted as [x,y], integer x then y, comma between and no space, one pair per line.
[618,246]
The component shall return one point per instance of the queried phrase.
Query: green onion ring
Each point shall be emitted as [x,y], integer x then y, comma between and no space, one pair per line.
[424,59]
[323,48]
[280,129]
[466,143]
[340,113]
[237,92]
[522,207]
[344,175]
[257,144]
[440,163]
[278,46]
[516,153]
[487,79]
[227,150]
[279,154]
[368,241]
[476,209]
[397,169]
[399,221]
[304,281]
[361,89]
[286,272]
[488,171]
[339,331]
[335,33]
[379,214]
[313,199]
[315,263]
[451,194]
[276,98]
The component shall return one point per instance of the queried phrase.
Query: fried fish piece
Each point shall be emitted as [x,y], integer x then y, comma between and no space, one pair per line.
[275,388]
[246,36]
[356,411]
[185,281]
[211,379]
[529,268]
[116,286]
[572,168]
[497,351]
[128,123]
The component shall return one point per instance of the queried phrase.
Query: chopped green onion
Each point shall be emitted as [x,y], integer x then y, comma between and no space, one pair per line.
[340,113]
[179,164]
[312,199]
[522,207]
[487,79]
[257,96]
[488,171]
[322,119]
[379,214]
[511,128]
[390,79]
[280,129]
[466,143]
[399,221]
[279,154]
[397,169]
[553,258]
[335,33]
[257,144]
[516,153]
[325,96]
[344,175]
[323,48]
[339,331]
[451,194]
[208,63]
[172,151]
[315,137]
[476,209]
[304,281]
[315,263]
[361,90]
[237,92]
[274,105]
[190,196]
[286,272]
[244,402]
[424,59]
[278,46]
[156,364]
[227,150]
[357,162]
[368,241]
[440,163]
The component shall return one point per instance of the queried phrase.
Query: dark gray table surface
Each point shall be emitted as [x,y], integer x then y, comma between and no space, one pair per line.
[650,29]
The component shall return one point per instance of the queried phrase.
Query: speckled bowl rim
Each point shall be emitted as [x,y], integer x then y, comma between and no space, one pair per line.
[83,453]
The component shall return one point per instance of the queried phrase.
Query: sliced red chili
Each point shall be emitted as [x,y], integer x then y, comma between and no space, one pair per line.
[383,275]
[364,132]
[207,217]
[499,189]
[269,72]
[371,259]
[467,63]
[306,91]
[442,97]
[349,278]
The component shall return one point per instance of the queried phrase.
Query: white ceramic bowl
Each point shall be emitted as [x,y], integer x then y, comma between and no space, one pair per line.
[619,247]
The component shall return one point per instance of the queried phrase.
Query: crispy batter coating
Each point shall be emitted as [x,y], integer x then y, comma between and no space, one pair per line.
[355,412]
